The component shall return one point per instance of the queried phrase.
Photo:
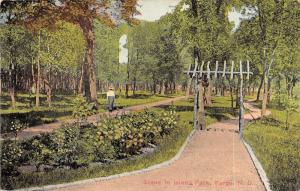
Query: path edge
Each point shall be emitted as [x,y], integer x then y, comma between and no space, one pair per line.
[93,180]
[259,168]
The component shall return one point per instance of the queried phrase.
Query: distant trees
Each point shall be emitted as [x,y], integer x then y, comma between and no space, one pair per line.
[44,61]
[154,61]
[154,57]
[45,14]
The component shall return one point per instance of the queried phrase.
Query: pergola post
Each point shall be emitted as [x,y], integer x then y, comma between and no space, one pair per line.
[196,95]
[197,78]
[241,112]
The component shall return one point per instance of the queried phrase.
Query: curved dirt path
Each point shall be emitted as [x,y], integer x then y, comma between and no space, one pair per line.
[214,160]
[47,128]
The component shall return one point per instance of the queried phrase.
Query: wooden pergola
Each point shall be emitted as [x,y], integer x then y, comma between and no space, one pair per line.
[198,75]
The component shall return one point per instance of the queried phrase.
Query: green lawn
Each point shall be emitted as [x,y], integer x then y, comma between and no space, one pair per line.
[25,102]
[62,106]
[277,148]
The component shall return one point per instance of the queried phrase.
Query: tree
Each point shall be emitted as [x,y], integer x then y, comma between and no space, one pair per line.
[206,30]
[15,45]
[61,52]
[270,23]
[46,13]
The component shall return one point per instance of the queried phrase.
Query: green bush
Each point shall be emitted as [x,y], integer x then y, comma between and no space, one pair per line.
[82,109]
[16,126]
[37,153]
[77,145]
[70,149]
[11,153]
[129,134]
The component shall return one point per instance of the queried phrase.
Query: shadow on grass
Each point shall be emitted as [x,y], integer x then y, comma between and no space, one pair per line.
[31,118]
[28,102]
[219,113]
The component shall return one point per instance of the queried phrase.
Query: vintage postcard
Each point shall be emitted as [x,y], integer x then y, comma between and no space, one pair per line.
[150,95]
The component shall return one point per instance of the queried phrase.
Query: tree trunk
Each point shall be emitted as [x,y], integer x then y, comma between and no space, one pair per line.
[154,86]
[134,85]
[49,95]
[38,85]
[13,99]
[0,85]
[38,81]
[259,88]
[265,97]
[269,90]
[48,89]
[128,78]
[237,100]
[231,97]
[12,73]
[209,92]
[162,88]
[80,87]
[202,121]
[89,80]
[188,88]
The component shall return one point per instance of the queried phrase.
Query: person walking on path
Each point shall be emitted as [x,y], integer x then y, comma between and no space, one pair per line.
[111,99]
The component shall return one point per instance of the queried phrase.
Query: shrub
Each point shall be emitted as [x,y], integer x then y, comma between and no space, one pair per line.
[16,126]
[82,109]
[69,149]
[76,145]
[130,133]
[37,153]
[11,153]
[101,148]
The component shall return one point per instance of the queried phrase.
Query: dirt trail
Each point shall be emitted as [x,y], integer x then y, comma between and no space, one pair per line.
[214,160]
[46,128]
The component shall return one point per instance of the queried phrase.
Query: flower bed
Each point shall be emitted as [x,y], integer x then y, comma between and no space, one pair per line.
[77,146]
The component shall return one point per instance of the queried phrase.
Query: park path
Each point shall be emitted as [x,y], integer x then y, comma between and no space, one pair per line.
[47,128]
[214,160]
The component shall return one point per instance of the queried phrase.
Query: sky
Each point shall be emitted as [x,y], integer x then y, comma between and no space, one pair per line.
[152,10]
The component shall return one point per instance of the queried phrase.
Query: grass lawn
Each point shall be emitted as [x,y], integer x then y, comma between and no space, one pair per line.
[62,106]
[168,147]
[25,102]
[277,148]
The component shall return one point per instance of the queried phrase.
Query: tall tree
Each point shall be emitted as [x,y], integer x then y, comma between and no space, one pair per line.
[46,13]
[270,23]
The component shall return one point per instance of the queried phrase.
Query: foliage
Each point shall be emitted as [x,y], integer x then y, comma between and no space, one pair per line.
[16,126]
[107,53]
[36,152]
[70,149]
[82,109]
[131,133]
[166,144]
[10,157]
[284,102]
[277,148]
[77,145]
[168,147]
